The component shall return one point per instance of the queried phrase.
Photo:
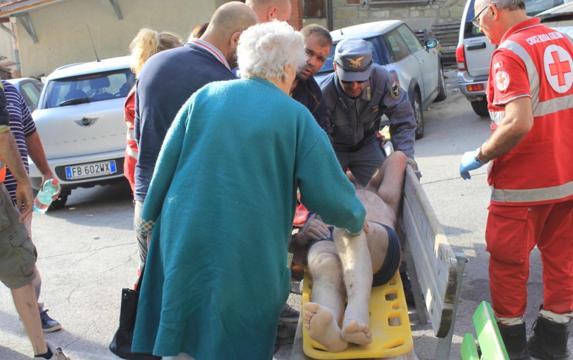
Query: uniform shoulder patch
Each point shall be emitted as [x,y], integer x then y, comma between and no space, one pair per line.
[395,90]
[502,80]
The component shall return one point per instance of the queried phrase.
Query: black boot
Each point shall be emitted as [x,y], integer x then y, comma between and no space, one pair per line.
[515,341]
[549,340]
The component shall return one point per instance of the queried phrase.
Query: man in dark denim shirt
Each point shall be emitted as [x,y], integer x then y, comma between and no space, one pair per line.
[305,90]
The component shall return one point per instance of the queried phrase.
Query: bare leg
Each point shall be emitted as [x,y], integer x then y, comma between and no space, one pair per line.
[323,315]
[27,307]
[357,271]
[37,284]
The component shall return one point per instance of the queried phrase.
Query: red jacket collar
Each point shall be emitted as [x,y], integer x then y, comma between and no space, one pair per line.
[518,27]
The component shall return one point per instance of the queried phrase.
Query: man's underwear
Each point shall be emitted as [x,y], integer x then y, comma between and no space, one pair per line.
[391,261]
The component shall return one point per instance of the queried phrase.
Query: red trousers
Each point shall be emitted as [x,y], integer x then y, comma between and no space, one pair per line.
[511,234]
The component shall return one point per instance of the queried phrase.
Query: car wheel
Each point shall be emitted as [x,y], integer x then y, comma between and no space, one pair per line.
[442,93]
[480,107]
[418,114]
[60,202]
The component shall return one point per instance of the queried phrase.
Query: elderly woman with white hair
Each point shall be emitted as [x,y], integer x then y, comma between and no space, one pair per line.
[221,203]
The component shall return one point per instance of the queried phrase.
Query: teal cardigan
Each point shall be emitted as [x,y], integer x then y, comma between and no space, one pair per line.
[222,197]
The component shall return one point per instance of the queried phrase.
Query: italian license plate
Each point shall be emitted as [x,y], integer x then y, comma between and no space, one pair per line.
[82,171]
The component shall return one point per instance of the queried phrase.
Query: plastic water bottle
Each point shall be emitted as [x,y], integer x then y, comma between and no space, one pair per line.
[49,191]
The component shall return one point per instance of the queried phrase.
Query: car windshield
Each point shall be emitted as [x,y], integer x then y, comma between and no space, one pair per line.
[88,88]
[532,7]
[327,67]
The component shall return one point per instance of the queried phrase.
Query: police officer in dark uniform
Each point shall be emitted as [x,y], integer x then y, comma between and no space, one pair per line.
[356,96]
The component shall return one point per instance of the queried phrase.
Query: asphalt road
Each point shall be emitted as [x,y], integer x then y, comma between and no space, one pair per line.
[87,251]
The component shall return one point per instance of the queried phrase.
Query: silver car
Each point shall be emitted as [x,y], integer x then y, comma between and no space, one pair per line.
[417,67]
[80,121]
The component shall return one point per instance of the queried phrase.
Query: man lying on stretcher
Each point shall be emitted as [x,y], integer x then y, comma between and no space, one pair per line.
[344,268]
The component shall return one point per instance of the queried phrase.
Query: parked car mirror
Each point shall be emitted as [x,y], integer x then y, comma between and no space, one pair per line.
[431,43]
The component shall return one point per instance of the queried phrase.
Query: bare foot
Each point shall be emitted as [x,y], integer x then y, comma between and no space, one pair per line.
[323,328]
[356,333]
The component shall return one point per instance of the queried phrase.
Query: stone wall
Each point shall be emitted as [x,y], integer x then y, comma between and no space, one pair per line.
[347,13]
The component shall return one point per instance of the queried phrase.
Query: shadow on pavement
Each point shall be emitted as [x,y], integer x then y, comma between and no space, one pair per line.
[68,341]
[92,206]
[12,355]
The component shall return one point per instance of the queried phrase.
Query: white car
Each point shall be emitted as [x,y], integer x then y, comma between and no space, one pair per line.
[418,67]
[80,120]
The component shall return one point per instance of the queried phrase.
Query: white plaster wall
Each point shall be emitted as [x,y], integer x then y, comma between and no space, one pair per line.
[63,35]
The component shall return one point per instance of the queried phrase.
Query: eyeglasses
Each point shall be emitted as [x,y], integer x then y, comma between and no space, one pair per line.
[476,19]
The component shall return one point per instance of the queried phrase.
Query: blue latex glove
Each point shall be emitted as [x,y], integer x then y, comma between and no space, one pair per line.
[469,162]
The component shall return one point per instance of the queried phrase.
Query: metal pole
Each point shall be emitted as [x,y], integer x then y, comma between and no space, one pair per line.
[329,15]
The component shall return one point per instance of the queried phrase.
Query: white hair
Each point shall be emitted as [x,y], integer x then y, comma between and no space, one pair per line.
[265,49]
[506,4]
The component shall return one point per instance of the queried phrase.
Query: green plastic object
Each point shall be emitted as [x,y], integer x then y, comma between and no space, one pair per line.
[490,342]
[469,349]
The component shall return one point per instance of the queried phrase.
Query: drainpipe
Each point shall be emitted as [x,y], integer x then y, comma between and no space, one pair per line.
[15,49]
[329,15]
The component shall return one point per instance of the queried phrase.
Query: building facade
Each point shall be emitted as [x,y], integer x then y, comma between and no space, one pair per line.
[418,14]
[50,33]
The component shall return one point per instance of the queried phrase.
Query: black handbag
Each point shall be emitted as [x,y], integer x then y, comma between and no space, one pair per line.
[121,343]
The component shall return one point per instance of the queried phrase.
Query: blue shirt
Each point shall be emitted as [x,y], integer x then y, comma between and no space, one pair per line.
[166,81]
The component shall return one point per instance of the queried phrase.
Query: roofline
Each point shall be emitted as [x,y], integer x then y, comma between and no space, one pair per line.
[20,6]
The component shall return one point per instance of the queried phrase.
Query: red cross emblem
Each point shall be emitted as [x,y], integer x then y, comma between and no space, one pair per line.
[559,68]
[558,65]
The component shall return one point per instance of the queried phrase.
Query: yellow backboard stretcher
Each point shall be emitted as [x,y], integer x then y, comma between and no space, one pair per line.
[389,323]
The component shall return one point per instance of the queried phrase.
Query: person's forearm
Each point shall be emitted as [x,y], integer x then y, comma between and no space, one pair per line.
[517,122]
[503,140]
[9,152]
[402,138]
[37,154]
